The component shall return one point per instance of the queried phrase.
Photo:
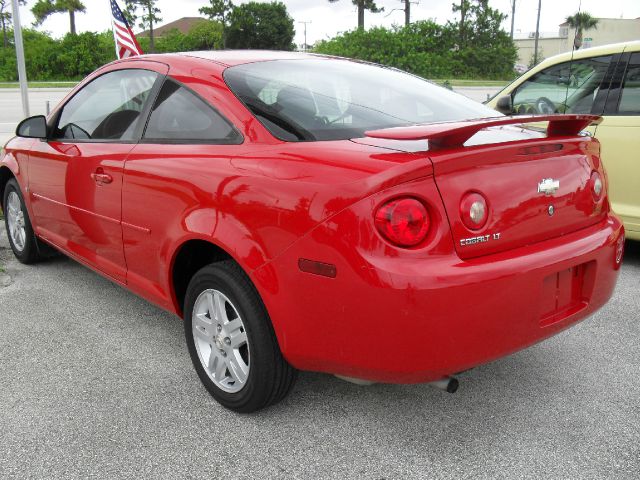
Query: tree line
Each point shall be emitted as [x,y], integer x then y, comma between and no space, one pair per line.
[476,46]
[473,47]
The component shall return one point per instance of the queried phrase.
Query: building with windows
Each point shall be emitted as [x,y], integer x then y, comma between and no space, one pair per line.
[609,30]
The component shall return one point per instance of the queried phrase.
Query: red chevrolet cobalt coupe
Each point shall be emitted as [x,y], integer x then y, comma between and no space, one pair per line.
[314,213]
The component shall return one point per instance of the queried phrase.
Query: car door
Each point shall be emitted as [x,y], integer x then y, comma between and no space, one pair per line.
[75,177]
[173,180]
[619,135]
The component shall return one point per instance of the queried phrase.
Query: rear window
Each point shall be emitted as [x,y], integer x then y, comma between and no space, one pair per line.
[326,99]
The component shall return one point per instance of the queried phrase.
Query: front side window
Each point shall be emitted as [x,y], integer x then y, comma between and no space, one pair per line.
[327,99]
[630,98]
[569,87]
[108,108]
[179,115]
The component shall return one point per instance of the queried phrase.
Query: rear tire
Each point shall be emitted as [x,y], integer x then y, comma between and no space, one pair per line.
[231,340]
[22,239]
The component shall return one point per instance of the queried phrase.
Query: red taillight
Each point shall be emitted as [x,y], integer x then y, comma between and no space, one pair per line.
[403,221]
[474,211]
[597,186]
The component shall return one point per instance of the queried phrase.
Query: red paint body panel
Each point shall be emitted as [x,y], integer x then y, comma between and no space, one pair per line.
[390,314]
[73,212]
[507,175]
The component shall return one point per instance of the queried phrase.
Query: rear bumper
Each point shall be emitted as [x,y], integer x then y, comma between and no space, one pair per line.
[402,320]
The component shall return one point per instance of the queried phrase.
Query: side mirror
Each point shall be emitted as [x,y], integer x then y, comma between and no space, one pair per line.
[33,127]
[505,105]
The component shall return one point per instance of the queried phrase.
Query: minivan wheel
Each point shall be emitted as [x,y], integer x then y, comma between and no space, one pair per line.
[19,230]
[231,341]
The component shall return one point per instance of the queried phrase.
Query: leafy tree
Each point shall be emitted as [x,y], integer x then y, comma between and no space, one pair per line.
[477,19]
[206,35]
[129,12]
[257,25]
[150,16]
[79,55]
[6,19]
[581,21]
[219,11]
[362,6]
[481,38]
[429,50]
[43,9]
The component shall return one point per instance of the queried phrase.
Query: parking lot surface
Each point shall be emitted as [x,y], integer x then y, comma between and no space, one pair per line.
[98,383]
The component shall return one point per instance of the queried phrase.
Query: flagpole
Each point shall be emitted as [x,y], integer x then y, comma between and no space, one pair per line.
[22,71]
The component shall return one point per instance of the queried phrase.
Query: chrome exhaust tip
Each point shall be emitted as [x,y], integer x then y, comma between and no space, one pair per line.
[448,384]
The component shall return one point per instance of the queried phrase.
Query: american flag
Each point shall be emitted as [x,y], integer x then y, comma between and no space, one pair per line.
[126,43]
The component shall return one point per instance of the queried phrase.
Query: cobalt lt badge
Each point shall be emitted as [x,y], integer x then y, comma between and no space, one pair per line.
[548,186]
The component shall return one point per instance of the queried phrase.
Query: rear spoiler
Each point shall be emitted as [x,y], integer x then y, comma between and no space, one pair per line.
[455,134]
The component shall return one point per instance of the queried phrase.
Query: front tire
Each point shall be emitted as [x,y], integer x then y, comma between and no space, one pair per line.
[22,240]
[231,341]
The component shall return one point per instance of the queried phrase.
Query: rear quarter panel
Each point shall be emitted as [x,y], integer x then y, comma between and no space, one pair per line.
[252,201]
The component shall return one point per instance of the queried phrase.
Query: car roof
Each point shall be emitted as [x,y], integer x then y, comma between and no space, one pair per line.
[612,48]
[239,57]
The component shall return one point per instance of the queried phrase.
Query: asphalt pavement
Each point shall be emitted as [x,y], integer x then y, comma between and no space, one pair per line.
[97,383]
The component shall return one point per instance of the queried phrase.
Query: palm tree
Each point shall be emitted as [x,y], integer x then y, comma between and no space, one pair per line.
[150,16]
[362,6]
[581,21]
[6,19]
[44,8]
[218,11]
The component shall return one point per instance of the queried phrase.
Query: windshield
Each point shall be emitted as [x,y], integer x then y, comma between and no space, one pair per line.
[329,99]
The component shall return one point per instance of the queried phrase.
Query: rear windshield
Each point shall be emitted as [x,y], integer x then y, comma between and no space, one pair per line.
[327,99]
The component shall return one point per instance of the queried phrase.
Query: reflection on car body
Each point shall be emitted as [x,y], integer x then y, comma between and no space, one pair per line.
[313,213]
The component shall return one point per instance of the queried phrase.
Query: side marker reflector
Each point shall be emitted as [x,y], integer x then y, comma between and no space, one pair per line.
[317,268]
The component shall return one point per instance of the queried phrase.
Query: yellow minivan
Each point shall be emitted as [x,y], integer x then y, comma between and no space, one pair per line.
[602,81]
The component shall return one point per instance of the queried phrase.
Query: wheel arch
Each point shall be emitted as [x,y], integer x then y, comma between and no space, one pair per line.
[6,174]
[189,257]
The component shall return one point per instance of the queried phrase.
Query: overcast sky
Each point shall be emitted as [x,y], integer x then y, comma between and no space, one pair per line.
[328,19]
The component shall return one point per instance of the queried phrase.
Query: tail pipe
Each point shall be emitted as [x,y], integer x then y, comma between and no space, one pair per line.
[448,384]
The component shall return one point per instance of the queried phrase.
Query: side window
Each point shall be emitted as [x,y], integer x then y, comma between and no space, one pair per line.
[108,108]
[569,87]
[179,115]
[630,98]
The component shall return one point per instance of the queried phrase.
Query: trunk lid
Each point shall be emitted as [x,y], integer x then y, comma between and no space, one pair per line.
[510,177]
[536,186]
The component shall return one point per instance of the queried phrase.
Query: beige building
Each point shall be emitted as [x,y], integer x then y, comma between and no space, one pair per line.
[609,30]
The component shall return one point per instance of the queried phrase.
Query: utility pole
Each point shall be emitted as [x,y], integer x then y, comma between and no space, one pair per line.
[513,15]
[22,71]
[535,46]
[305,33]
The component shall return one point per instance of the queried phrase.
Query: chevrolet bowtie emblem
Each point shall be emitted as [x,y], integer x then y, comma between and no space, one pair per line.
[548,186]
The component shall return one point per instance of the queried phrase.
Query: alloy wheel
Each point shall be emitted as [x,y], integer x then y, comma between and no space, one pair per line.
[16,221]
[221,341]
